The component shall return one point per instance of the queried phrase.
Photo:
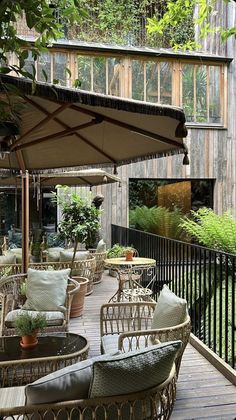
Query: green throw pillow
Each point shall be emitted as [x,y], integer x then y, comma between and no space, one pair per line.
[133,371]
[46,290]
[170,310]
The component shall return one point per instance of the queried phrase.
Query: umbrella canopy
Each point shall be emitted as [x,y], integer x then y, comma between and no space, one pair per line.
[86,177]
[62,127]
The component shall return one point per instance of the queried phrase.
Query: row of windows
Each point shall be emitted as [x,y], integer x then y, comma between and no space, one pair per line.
[196,87]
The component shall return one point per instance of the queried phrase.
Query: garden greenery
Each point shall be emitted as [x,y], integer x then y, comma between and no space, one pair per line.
[158,220]
[212,230]
[179,11]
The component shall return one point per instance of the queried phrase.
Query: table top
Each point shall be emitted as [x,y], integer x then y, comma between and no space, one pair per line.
[136,261]
[54,345]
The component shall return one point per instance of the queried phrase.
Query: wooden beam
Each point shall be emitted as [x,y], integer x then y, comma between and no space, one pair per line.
[50,116]
[55,136]
[25,220]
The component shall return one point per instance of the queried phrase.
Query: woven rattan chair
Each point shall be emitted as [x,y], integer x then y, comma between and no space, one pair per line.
[99,268]
[12,298]
[126,326]
[154,404]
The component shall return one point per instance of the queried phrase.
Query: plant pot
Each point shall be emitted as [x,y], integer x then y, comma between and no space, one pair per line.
[77,306]
[129,255]
[28,341]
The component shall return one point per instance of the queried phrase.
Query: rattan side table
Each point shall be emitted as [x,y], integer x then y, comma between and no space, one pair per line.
[54,351]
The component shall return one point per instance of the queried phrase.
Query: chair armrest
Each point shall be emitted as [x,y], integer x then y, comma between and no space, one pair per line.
[132,340]
[76,286]
[119,317]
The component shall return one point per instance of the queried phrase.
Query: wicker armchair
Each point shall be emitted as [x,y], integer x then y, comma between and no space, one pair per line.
[154,404]
[126,326]
[12,298]
[99,268]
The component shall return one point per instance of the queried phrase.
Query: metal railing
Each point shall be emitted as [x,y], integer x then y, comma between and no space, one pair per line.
[204,277]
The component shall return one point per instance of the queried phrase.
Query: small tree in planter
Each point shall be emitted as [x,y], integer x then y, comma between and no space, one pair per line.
[80,219]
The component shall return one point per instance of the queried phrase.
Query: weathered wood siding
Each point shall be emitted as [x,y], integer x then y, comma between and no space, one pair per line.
[212,152]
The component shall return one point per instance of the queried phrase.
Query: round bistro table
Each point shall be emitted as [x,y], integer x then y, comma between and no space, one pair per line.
[120,264]
[54,351]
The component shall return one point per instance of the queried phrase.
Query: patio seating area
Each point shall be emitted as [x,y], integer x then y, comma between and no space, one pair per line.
[202,391]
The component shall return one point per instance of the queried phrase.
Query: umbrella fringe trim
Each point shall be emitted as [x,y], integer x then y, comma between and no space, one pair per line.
[65,94]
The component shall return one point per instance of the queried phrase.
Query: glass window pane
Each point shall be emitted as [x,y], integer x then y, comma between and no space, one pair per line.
[84,72]
[138,80]
[166,83]
[99,74]
[214,94]
[29,62]
[152,82]
[44,63]
[59,67]
[201,93]
[188,91]
[114,76]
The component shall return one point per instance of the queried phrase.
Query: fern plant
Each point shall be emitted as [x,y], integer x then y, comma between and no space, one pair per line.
[158,220]
[212,230]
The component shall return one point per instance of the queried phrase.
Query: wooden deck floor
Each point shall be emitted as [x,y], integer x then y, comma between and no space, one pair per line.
[202,392]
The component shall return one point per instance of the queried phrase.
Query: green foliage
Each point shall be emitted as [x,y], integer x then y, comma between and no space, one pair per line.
[27,324]
[212,230]
[122,22]
[141,191]
[180,11]
[116,251]
[80,219]
[158,220]
[39,15]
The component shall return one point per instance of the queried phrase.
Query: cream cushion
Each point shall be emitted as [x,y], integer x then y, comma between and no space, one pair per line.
[53,254]
[12,397]
[109,343]
[66,256]
[17,253]
[53,318]
[133,371]
[101,246]
[170,310]
[69,383]
[8,259]
[46,290]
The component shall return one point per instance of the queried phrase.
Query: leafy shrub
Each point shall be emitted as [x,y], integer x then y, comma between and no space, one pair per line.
[212,230]
[158,220]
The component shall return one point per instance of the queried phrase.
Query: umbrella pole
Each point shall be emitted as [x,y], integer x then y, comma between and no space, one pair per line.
[25,220]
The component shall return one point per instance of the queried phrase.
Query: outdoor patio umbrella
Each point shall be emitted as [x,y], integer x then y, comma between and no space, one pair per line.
[86,178]
[62,127]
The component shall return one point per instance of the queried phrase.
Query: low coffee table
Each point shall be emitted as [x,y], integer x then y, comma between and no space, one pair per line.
[54,351]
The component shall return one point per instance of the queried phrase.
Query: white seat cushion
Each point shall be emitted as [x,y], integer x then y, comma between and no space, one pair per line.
[12,397]
[53,318]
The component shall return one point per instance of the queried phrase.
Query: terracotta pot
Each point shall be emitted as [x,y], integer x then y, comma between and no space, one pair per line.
[129,255]
[28,341]
[77,306]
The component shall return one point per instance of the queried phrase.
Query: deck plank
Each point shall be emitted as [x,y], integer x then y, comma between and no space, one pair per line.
[202,391]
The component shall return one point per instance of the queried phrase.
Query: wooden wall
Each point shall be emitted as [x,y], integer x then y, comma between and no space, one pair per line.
[212,152]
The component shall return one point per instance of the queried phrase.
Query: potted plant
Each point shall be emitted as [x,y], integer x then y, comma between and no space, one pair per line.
[80,223]
[28,326]
[129,253]
[115,251]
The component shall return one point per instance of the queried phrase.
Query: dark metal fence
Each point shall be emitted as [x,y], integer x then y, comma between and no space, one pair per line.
[204,277]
